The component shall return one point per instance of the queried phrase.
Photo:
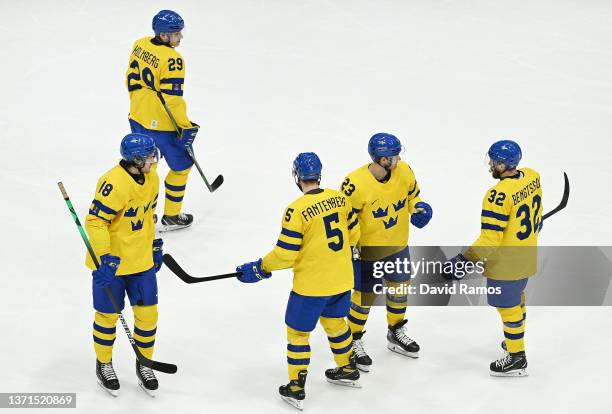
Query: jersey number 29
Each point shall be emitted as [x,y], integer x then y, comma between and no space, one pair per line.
[146,75]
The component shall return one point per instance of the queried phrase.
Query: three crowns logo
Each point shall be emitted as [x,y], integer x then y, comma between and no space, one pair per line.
[400,205]
[137,226]
[380,212]
[131,212]
[392,222]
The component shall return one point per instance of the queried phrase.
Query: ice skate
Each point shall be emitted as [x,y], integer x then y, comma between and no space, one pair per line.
[363,360]
[294,393]
[398,341]
[511,365]
[146,379]
[107,379]
[180,221]
[347,375]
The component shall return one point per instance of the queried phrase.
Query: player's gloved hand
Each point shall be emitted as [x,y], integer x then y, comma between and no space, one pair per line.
[106,272]
[421,218]
[252,272]
[188,135]
[450,271]
[158,254]
[356,254]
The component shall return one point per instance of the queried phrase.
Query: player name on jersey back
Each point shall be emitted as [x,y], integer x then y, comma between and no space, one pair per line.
[322,206]
[145,56]
[526,191]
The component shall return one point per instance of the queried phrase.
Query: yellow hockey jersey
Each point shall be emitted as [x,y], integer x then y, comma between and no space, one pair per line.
[318,230]
[120,219]
[154,67]
[383,209]
[511,219]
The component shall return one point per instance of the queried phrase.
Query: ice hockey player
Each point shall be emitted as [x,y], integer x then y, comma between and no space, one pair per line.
[157,70]
[385,196]
[318,230]
[121,230]
[511,219]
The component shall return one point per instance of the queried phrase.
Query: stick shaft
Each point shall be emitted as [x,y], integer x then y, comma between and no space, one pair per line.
[188,149]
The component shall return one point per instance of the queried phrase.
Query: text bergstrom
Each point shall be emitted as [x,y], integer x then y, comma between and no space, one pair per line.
[405,266]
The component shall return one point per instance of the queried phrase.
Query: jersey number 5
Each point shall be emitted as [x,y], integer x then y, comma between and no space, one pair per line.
[331,232]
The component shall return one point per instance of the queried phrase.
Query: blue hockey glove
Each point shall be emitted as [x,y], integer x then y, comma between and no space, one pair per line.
[449,271]
[158,254]
[188,135]
[252,272]
[106,272]
[421,219]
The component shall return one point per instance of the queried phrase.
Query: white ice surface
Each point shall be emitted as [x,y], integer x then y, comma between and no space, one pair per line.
[266,80]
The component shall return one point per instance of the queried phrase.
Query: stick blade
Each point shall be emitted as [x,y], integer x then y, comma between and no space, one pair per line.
[217,183]
[177,269]
[566,191]
[158,366]
[564,199]
[187,278]
[154,365]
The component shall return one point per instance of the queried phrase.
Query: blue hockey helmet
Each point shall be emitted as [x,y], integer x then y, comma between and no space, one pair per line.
[505,152]
[383,145]
[135,148]
[167,21]
[307,167]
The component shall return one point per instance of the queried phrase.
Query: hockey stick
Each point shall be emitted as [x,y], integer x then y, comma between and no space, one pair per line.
[157,366]
[564,199]
[219,180]
[178,270]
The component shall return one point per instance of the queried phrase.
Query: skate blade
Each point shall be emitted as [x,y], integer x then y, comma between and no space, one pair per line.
[114,393]
[515,373]
[299,404]
[345,383]
[363,368]
[172,227]
[399,350]
[150,393]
